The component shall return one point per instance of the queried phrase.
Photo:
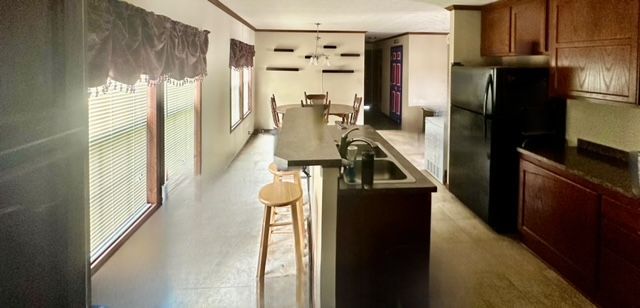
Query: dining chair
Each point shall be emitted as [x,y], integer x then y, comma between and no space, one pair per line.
[310,99]
[326,110]
[274,112]
[357,104]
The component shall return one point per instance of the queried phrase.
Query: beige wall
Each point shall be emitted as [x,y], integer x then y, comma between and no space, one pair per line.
[615,126]
[424,76]
[465,37]
[219,145]
[289,87]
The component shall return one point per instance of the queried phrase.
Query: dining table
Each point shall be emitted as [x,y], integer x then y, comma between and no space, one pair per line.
[341,110]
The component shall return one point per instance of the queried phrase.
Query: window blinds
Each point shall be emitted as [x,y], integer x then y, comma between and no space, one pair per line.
[179,131]
[117,164]
[246,90]
[235,97]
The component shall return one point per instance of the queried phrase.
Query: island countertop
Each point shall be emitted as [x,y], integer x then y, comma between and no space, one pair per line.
[305,140]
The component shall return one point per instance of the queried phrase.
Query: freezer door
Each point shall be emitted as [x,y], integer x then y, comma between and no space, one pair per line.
[472,88]
[469,160]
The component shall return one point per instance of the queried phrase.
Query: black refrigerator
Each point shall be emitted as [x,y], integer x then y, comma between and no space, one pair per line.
[493,111]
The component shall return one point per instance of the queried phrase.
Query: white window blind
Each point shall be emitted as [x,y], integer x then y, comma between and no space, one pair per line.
[179,131]
[235,96]
[246,91]
[117,164]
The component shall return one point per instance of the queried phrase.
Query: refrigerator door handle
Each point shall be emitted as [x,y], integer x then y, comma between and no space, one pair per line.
[488,87]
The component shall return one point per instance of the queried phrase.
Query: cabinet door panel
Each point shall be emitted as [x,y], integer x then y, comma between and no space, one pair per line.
[529,27]
[559,222]
[619,281]
[595,20]
[496,31]
[594,49]
[602,70]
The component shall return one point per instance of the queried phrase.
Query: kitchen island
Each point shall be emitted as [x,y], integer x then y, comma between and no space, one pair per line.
[370,247]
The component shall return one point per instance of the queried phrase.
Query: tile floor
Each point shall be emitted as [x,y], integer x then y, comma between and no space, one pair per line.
[201,250]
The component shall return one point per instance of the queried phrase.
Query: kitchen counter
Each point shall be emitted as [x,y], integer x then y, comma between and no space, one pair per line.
[305,140]
[615,175]
[335,206]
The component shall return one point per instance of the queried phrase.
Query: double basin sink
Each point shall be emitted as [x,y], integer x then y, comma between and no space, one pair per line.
[386,169]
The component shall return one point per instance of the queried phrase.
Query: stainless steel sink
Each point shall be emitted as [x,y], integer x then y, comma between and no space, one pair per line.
[385,170]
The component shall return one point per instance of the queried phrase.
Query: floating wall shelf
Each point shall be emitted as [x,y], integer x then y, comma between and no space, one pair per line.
[307,57]
[338,71]
[283,50]
[283,69]
[329,46]
[349,54]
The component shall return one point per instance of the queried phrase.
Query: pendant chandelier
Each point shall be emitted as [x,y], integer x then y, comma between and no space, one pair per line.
[318,58]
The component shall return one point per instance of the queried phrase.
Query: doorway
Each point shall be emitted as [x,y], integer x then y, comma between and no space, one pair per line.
[374,113]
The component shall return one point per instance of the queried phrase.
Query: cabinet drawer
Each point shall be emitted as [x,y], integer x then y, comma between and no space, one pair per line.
[620,241]
[619,281]
[627,216]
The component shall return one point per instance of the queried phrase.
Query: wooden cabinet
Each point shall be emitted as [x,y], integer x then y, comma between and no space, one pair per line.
[496,30]
[558,220]
[619,268]
[588,232]
[529,27]
[594,48]
[514,27]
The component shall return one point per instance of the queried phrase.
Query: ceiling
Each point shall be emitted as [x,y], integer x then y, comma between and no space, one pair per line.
[379,18]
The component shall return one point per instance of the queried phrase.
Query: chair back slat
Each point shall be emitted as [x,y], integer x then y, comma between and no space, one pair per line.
[357,104]
[274,112]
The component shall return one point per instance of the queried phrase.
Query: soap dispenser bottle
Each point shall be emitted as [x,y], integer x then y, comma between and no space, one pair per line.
[367,169]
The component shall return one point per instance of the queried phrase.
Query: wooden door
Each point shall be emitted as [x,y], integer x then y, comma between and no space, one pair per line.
[529,27]
[594,48]
[395,100]
[558,221]
[496,30]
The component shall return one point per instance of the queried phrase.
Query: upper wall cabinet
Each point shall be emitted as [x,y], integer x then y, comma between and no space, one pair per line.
[594,49]
[514,27]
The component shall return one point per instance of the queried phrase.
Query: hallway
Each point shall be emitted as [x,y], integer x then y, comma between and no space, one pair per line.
[200,250]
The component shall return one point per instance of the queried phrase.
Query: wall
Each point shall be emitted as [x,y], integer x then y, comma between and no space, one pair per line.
[219,144]
[289,87]
[44,246]
[616,126]
[424,76]
[465,37]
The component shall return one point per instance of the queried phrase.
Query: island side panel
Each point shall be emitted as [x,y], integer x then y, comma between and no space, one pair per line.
[324,197]
[383,242]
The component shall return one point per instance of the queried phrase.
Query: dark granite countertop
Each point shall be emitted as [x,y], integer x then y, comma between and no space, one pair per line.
[622,177]
[421,182]
[304,140]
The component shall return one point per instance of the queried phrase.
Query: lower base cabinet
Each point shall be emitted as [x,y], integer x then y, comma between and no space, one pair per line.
[559,222]
[589,234]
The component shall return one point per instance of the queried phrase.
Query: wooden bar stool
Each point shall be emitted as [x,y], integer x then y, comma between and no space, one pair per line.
[276,195]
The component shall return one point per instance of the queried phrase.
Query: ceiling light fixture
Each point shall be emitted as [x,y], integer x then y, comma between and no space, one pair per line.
[318,58]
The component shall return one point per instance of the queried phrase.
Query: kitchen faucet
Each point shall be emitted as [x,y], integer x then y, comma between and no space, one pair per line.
[345,142]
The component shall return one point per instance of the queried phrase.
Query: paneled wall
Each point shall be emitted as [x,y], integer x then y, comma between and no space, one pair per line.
[219,143]
[289,87]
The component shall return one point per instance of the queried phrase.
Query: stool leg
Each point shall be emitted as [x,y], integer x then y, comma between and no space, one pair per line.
[297,237]
[264,242]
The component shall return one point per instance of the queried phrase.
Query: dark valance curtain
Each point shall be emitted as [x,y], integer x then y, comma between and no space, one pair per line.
[125,41]
[241,54]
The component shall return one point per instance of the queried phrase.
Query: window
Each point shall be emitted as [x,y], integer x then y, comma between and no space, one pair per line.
[236,80]
[241,97]
[117,164]
[179,131]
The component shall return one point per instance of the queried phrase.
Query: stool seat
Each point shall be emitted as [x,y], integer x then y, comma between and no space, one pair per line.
[280,194]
